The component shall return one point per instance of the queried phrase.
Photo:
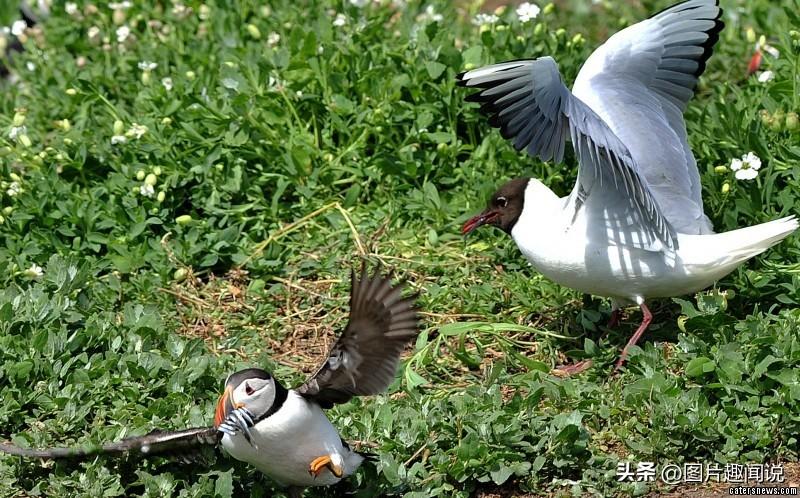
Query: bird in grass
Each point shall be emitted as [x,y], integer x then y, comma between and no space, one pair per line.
[283,432]
[633,226]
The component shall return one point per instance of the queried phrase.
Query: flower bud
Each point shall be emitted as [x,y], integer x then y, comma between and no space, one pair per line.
[8,210]
[71,92]
[161,196]
[180,275]
[766,117]
[166,121]
[721,170]
[150,179]
[549,8]
[183,219]
[118,17]
[778,120]
[538,29]
[15,177]
[469,66]
[751,35]
[253,31]
[140,175]
[726,187]
[19,119]
[190,75]
[119,127]
[24,140]
[792,123]
[157,170]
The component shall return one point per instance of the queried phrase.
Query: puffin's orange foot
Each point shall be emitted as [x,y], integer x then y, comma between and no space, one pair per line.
[324,462]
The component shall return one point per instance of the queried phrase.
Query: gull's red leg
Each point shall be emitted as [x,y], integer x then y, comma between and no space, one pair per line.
[646,319]
[614,320]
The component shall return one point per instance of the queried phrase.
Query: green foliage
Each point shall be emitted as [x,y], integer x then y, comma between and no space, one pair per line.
[273,158]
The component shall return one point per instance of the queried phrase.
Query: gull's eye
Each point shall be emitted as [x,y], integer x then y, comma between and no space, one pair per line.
[248,390]
[501,202]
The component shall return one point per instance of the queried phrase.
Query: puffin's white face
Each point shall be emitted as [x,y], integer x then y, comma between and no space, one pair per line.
[257,395]
[253,389]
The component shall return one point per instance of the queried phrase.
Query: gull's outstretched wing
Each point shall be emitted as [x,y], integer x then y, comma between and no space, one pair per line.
[183,445]
[364,359]
[624,116]
[527,100]
[640,82]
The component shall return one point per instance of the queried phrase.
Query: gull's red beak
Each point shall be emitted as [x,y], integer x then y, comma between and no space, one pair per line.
[224,407]
[476,221]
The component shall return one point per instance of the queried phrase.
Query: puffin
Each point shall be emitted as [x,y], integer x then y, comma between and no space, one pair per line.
[285,432]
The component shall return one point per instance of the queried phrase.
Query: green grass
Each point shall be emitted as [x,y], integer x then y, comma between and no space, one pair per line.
[294,160]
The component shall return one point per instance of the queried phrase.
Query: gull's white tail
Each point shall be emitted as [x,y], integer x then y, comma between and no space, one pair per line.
[745,243]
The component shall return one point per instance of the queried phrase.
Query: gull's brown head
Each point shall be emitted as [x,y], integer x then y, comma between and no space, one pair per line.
[504,208]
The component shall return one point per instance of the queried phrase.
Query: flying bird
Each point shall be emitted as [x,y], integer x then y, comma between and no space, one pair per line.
[283,432]
[633,226]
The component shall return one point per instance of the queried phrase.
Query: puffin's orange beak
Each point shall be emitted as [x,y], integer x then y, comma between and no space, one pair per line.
[224,407]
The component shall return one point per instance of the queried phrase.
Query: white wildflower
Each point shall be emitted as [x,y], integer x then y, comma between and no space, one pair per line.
[180,9]
[774,52]
[71,8]
[430,14]
[340,20]
[527,11]
[484,19]
[167,82]
[276,84]
[147,65]
[762,44]
[13,189]
[18,28]
[118,139]
[123,32]
[747,167]
[765,76]
[35,272]
[16,131]
[30,66]
[93,34]
[136,131]
[359,3]
[273,39]
[120,5]
[147,190]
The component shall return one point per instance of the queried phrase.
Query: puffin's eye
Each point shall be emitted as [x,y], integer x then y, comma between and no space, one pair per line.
[248,390]
[501,202]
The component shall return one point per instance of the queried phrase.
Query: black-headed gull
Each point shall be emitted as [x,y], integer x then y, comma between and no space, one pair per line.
[633,226]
